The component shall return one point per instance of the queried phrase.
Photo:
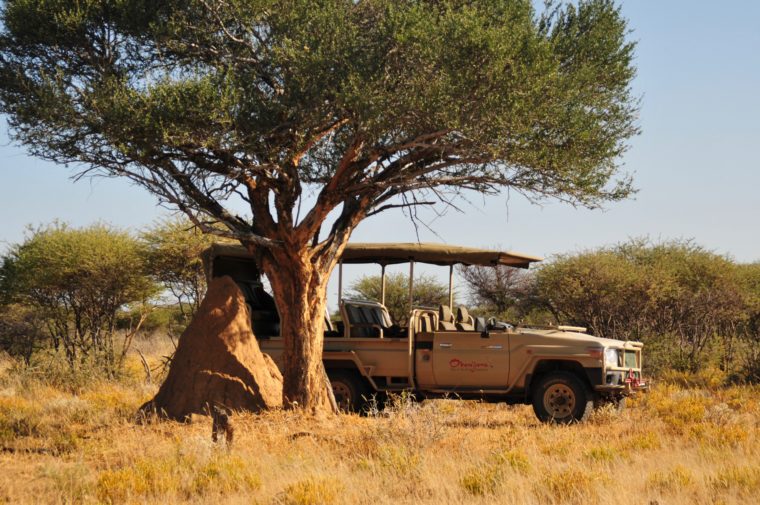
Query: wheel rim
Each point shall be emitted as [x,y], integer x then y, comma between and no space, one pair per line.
[559,401]
[342,395]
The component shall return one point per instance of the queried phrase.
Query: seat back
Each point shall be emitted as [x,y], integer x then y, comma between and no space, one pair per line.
[355,314]
[445,319]
[464,320]
[366,319]
[378,315]
[262,311]
[357,321]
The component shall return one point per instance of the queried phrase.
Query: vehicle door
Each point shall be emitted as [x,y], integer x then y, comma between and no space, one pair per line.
[465,359]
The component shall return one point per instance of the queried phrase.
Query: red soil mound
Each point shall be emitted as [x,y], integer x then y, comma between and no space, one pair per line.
[218,361]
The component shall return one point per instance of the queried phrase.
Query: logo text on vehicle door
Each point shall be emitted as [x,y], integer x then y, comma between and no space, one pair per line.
[469,366]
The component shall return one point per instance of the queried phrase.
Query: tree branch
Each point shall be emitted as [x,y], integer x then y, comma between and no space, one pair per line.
[296,159]
[397,206]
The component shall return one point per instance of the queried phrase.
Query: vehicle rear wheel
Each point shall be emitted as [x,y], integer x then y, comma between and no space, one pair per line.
[350,390]
[561,397]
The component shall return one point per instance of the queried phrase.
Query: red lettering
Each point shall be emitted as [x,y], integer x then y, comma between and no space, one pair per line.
[472,366]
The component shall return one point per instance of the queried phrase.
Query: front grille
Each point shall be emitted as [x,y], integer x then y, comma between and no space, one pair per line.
[618,378]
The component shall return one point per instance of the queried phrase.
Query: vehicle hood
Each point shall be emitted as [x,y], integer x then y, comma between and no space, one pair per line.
[575,338]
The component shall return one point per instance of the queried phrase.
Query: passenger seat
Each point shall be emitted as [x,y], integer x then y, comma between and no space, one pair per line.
[464,320]
[446,319]
[369,319]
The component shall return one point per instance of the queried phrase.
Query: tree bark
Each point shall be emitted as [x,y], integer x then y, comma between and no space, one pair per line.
[299,286]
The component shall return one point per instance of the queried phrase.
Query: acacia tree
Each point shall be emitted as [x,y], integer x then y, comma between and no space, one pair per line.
[77,280]
[174,248]
[500,288]
[231,111]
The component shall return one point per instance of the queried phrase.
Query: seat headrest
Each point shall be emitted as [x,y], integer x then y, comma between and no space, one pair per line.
[462,314]
[444,313]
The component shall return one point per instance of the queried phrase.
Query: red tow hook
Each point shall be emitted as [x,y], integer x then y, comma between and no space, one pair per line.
[632,379]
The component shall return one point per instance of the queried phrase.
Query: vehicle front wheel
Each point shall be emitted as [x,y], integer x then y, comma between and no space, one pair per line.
[561,397]
[349,389]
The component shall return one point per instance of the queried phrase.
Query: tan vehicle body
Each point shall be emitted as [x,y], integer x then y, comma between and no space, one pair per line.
[560,370]
[497,363]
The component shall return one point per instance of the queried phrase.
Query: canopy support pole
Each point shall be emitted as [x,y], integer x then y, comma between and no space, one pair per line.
[411,286]
[382,284]
[451,288]
[340,282]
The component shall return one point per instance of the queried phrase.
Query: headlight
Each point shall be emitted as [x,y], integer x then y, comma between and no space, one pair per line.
[611,357]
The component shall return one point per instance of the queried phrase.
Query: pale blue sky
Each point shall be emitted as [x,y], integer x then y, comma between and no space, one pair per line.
[695,163]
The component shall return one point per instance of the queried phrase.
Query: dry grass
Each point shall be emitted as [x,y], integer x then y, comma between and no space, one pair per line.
[673,446]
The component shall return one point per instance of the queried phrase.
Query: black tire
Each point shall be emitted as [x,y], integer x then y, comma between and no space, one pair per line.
[562,397]
[350,390]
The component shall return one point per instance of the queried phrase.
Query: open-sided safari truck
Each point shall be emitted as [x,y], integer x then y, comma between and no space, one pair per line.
[563,372]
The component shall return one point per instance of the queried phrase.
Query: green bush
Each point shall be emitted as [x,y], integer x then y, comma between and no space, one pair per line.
[78,280]
[687,304]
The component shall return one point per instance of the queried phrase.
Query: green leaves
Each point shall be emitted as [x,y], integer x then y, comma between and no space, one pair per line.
[673,292]
[173,257]
[547,102]
[96,262]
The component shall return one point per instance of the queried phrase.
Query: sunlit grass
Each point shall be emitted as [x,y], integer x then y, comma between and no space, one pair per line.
[676,445]
[178,477]
[311,491]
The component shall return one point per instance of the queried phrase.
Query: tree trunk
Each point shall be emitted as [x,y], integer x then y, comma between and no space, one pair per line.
[299,286]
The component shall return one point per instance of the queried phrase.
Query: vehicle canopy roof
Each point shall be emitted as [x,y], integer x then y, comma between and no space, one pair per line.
[393,252]
[436,254]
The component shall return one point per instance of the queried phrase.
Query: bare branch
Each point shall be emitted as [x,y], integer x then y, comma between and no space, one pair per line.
[397,206]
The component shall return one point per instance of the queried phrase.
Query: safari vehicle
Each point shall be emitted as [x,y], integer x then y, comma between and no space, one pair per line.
[560,370]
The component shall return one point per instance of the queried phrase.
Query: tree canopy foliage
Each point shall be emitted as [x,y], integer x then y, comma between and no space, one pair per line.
[22,330]
[173,254]
[749,275]
[196,99]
